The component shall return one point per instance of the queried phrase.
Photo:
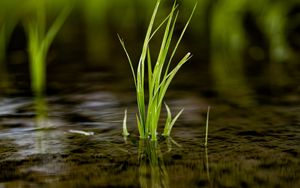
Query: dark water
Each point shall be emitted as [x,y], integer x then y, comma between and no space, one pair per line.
[254,145]
[245,66]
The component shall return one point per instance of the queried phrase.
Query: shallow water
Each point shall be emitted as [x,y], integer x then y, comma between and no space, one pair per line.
[248,146]
[245,66]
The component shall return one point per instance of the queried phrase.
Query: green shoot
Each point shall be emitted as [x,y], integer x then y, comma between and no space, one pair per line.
[159,77]
[39,41]
[206,130]
[125,132]
[169,122]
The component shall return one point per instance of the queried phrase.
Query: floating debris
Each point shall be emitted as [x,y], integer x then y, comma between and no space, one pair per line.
[82,132]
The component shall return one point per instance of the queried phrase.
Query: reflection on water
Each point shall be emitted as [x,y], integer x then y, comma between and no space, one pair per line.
[242,152]
[207,164]
[41,122]
[152,171]
[247,147]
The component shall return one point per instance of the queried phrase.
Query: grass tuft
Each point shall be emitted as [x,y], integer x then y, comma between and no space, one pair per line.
[39,40]
[159,75]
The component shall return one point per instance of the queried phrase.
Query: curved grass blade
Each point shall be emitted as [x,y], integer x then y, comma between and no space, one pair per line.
[169,124]
[55,27]
[180,38]
[162,23]
[129,59]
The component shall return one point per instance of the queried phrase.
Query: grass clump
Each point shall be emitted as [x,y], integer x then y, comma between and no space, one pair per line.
[40,37]
[159,75]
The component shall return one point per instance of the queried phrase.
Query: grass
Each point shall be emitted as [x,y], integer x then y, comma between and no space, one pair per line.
[39,40]
[152,170]
[125,131]
[159,76]
[206,129]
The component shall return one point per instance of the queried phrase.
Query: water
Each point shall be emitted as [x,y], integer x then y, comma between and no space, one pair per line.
[252,145]
[245,65]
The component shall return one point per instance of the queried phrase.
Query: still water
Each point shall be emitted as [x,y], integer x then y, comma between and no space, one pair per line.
[72,138]
[245,66]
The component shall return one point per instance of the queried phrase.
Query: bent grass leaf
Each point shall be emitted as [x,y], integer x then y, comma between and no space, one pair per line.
[169,122]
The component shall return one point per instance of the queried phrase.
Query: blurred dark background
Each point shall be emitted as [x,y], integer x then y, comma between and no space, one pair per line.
[244,51]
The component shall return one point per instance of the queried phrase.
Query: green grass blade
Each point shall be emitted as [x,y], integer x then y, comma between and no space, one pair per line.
[36,56]
[169,40]
[206,130]
[148,34]
[40,7]
[155,104]
[182,33]
[149,74]
[167,80]
[170,126]
[140,127]
[141,102]
[125,131]
[128,58]
[55,27]
[163,51]
[154,109]
[162,23]
[168,120]
[141,70]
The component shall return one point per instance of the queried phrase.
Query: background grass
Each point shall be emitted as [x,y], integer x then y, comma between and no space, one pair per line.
[233,43]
